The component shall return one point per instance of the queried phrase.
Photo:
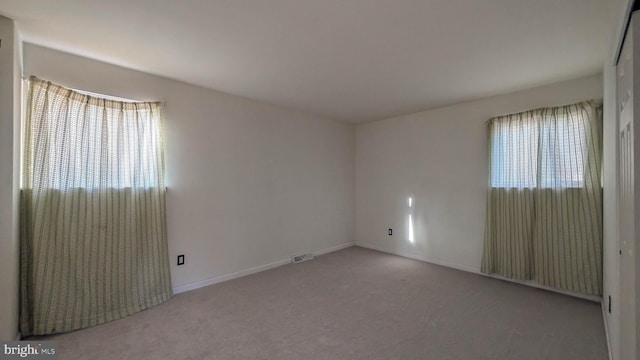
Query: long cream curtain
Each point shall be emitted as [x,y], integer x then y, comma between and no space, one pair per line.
[93,227]
[544,205]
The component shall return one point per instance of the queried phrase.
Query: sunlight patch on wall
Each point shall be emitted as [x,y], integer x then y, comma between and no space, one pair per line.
[410,202]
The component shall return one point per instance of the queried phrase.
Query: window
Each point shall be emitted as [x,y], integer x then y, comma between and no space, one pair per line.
[80,141]
[545,149]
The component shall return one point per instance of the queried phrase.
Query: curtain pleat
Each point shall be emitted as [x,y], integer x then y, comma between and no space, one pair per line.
[544,204]
[93,223]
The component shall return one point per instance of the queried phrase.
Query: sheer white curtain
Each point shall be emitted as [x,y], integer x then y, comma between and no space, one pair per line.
[544,206]
[540,149]
[93,223]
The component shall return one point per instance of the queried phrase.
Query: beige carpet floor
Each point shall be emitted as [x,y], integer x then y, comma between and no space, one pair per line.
[353,304]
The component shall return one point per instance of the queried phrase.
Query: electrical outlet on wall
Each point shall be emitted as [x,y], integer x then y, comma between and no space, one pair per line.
[180,260]
[390,232]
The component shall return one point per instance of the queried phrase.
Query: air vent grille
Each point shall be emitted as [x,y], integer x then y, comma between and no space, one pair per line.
[300,258]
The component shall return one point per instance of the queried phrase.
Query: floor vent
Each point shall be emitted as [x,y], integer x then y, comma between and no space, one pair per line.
[300,258]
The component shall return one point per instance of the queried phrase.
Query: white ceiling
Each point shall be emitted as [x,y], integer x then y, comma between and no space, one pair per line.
[351,60]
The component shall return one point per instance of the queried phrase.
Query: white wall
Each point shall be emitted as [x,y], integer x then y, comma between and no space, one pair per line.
[9,113]
[439,157]
[249,183]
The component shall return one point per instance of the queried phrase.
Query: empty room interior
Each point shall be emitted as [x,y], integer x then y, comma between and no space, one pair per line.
[353,179]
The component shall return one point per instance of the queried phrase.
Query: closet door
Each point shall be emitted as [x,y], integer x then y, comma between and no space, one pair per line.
[629,190]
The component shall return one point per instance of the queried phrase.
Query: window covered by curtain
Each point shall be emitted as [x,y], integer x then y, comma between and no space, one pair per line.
[93,226]
[544,206]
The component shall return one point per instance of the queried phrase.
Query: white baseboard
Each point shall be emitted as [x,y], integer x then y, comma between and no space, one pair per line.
[253,270]
[420,257]
[475,270]
[332,249]
[606,327]
[227,277]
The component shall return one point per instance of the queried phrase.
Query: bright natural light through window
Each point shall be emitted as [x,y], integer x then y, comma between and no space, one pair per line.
[85,142]
[539,153]
[109,155]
